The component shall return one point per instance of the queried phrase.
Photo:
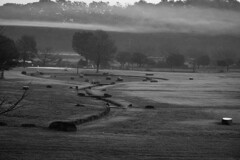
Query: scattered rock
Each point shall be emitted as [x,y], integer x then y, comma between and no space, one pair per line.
[190,78]
[72,78]
[3,124]
[145,80]
[149,107]
[79,105]
[81,76]
[107,95]
[86,80]
[28,125]
[32,74]
[104,89]
[130,105]
[81,94]
[49,86]
[119,79]
[41,73]
[153,80]
[76,87]
[226,121]
[24,72]
[149,74]
[63,126]
[105,73]
[70,87]
[113,83]
[108,78]
[25,87]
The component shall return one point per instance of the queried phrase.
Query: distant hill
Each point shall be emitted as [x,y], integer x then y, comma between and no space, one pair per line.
[154,44]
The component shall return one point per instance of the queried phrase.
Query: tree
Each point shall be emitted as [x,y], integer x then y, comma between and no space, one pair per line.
[8,54]
[47,57]
[139,58]
[81,43]
[123,58]
[4,104]
[103,48]
[225,58]
[27,48]
[203,60]
[95,46]
[175,60]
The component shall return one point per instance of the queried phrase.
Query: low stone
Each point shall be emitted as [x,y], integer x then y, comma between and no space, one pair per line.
[149,107]
[28,125]
[25,87]
[49,86]
[226,121]
[3,124]
[63,126]
[81,94]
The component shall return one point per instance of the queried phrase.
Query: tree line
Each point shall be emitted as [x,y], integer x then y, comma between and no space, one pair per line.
[99,48]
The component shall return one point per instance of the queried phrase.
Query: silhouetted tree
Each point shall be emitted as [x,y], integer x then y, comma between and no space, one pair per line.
[8,54]
[175,60]
[96,46]
[225,58]
[139,58]
[27,48]
[203,60]
[123,58]
[47,57]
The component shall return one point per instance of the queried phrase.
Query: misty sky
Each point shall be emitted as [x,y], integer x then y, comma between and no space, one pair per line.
[87,1]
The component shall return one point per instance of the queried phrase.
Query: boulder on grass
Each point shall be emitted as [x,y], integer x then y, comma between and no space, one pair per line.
[108,78]
[119,79]
[79,105]
[28,125]
[49,86]
[3,124]
[226,121]
[81,94]
[149,74]
[154,80]
[107,95]
[149,107]
[63,126]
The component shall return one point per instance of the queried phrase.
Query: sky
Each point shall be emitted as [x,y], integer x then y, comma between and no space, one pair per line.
[87,1]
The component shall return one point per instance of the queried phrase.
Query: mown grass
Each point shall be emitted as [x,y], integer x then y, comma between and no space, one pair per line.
[169,131]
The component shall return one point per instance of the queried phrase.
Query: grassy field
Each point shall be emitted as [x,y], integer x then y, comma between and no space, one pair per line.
[185,123]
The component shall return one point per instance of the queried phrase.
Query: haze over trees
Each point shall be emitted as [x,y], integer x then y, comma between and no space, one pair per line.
[8,54]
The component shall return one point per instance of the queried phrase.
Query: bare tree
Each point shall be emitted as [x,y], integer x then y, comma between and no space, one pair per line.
[4,108]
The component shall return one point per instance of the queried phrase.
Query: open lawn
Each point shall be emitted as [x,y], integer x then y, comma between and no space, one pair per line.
[185,122]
